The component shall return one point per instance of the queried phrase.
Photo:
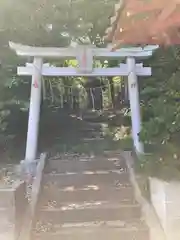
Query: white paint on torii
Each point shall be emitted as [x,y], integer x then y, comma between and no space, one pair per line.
[85,56]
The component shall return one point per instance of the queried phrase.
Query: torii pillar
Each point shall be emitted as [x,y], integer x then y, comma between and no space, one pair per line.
[34,111]
[134,104]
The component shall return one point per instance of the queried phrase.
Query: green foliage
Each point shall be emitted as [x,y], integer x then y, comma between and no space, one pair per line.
[55,22]
[163,164]
[160,95]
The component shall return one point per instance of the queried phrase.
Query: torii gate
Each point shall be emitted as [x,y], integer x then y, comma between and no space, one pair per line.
[85,56]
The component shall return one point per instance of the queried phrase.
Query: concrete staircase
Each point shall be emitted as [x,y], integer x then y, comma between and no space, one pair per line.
[88,197]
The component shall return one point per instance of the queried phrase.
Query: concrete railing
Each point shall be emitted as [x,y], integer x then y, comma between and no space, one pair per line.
[149,213]
[13,203]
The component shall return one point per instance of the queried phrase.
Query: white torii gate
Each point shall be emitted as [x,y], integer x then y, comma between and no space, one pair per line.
[85,56]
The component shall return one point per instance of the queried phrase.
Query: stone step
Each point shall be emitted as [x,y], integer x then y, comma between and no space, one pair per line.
[91,135]
[81,157]
[87,198]
[96,234]
[94,125]
[89,213]
[93,139]
[129,226]
[84,164]
[79,180]
[53,196]
[91,129]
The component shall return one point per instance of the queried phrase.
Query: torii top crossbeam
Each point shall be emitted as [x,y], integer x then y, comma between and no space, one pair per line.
[71,52]
[84,54]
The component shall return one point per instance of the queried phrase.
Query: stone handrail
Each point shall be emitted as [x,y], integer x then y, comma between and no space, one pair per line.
[34,195]
[156,231]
